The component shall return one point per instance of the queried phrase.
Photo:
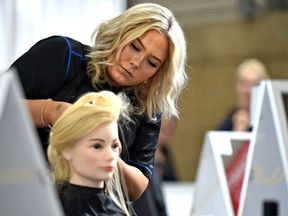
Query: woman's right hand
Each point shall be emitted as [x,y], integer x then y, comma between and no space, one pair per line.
[241,120]
[45,112]
[54,110]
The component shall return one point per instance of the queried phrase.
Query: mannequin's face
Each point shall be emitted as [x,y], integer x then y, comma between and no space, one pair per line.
[93,159]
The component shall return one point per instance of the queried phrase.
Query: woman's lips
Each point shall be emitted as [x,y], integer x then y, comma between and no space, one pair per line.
[126,72]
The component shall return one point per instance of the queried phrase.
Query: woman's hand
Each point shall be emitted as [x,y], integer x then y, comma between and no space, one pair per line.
[241,120]
[46,112]
[54,110]
[135,180]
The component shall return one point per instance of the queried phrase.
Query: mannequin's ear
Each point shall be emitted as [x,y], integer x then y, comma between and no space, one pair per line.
[67,154]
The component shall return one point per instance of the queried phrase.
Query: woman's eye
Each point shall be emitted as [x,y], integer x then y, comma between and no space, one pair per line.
[152,63]
[135,47]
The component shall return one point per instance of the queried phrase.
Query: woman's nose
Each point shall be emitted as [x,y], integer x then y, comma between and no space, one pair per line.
[136,60]
[134,63]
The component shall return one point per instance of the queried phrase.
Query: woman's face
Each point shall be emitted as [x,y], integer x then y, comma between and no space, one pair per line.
[244,85]
[139,60]
[93,159]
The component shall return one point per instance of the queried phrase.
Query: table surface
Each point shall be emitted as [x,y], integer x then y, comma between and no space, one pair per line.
[178,197]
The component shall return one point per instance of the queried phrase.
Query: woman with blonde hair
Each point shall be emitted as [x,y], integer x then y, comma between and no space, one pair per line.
[83,151]
[141,52]
[249,74]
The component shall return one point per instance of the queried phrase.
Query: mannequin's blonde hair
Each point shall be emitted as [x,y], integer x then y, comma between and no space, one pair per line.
[86,114]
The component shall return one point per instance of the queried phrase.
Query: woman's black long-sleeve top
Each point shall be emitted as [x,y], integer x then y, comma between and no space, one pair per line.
[55,68]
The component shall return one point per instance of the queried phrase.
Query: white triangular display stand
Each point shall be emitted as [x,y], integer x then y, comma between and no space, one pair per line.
[211,193]
[25,186]
[266,179]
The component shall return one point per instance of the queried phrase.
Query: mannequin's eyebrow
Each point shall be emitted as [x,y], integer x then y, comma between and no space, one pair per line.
[97,139]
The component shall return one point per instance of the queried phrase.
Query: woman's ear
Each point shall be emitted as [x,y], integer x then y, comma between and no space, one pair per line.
[67,154]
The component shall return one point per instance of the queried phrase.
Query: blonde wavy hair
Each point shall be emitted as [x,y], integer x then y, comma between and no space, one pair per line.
[86,114]
[160,93]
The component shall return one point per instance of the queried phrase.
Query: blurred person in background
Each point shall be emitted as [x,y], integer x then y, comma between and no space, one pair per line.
[248,74]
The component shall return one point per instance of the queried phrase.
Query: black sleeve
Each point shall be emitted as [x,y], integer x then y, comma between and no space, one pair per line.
[142,143]
[42,69]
